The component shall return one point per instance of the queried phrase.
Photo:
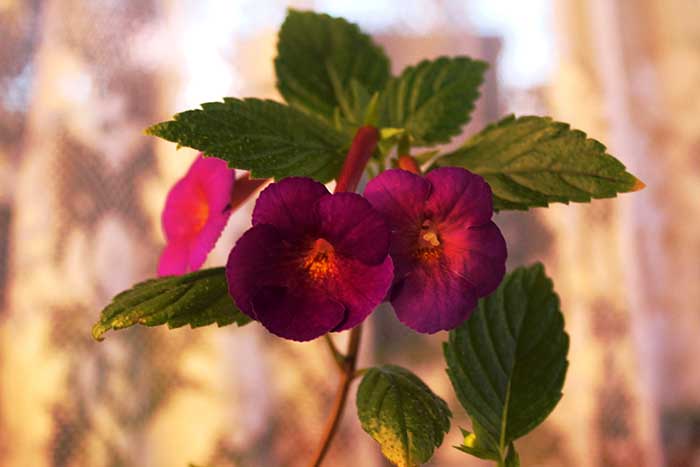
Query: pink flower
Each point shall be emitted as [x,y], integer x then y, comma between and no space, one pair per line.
[196,212]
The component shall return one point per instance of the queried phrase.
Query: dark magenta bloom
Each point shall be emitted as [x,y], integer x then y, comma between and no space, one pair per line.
[312,262]
[446,250]
[196,212]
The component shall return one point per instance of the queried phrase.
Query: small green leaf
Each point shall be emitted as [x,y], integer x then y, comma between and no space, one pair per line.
[402,414]
[198,299]
[508,361]
[433,99]
[533,161]
[479,444]
[266,137]
[319,56]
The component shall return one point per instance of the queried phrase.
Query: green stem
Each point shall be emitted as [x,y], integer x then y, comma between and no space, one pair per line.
[404,148]
[337,356]
[360,372]
[502,448]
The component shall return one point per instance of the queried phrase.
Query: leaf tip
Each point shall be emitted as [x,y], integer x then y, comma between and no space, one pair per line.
[99,329]
[152,130]
[637,185]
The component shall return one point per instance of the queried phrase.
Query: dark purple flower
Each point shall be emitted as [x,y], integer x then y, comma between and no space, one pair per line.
[312,262]
[446,250]
[196,212]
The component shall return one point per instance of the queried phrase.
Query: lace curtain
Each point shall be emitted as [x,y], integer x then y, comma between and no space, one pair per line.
[627,269]
[80,195]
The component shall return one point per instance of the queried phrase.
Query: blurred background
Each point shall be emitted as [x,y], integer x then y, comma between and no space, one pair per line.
[81,190]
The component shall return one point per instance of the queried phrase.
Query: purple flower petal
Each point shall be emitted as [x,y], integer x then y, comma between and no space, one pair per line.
[360,288]
[297,314]
[446,251]
[196,212]
[263,269]
[289,205]
[432,299]
[257,260]
[459,196]
[477,254]
[399,196]
[354,228]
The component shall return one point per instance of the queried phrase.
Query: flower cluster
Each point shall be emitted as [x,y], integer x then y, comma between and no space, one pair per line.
[315,262]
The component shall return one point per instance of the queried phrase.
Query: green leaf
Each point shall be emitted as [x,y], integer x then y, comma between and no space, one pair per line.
[361,110]
[433,99]
[533,161]
[266,137]
[402,414]
[508,361]
[479,444]
[318,57]
[198,299]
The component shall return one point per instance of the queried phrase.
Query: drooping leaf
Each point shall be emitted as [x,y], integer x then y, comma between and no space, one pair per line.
[198,299]
[533,161]
[266,137]
[508,361]
[433,99]
[318,56]
[402,414]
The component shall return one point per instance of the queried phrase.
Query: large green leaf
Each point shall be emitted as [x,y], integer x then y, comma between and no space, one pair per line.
[533,161]
[402,414]
[198,299]
[361,109]
[433,99]
[318,57]
[266,137]
[508,361]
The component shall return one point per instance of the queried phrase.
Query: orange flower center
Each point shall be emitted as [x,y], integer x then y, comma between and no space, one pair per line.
[429,246]
[200,214]
[319,263]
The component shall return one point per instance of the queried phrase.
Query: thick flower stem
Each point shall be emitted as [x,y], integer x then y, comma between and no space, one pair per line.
[346,377]
[243,188]
[363,145]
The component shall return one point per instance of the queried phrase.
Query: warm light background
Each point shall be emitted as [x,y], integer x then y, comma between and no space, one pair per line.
[81,189]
